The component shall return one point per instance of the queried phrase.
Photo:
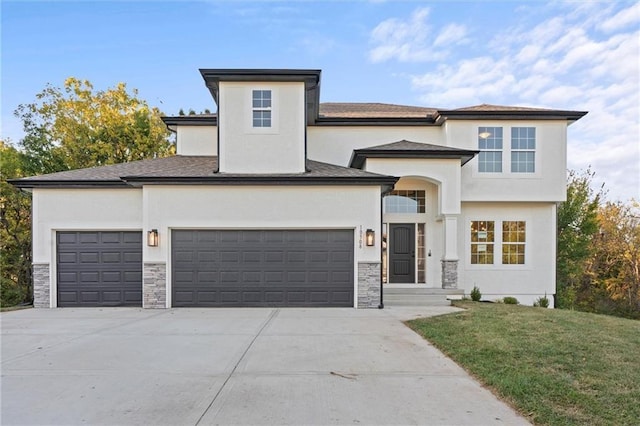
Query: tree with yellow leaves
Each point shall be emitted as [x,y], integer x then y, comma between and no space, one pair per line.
[77,126]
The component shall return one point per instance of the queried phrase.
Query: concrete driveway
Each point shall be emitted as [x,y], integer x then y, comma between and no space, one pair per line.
[232,366]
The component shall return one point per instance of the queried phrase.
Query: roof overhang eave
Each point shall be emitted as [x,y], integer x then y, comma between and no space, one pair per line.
[260,180]
[513,115]
[373,121]
[33,183]
[360,156]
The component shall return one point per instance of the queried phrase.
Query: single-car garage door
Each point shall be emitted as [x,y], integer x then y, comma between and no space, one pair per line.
[262,267]
[99,268]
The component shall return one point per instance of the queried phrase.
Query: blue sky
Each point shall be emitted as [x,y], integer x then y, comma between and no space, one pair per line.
[582,55]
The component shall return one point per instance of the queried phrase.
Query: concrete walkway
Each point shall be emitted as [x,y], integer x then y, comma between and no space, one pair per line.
[233,366]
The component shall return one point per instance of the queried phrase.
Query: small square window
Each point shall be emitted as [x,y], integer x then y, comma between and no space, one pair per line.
[261,107]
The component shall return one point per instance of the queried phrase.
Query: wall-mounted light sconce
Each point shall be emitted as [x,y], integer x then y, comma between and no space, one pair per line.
[370,237]
[152,238]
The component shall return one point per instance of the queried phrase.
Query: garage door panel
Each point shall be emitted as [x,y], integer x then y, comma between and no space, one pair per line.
[88,277]
[88,237]
[272,257]
[88,296]
[317,277]
[274,237]
[274,296]
[274,276]
[229,257]
[132,257]
[98,268]
[205,296]
[252,277]
[341,296]
[183,256]
[207,277]
[296,256]
[183,296]
[111,277]
[262,268]
[110,257]
[229,276]
[341,256]
[132,296]
[67,258]
[89,257]
[132,278]
[319,296]
[230,296]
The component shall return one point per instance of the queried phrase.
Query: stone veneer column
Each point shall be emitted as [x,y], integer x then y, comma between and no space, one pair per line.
[154,285]
[41,286]
[368,285]
[449,274]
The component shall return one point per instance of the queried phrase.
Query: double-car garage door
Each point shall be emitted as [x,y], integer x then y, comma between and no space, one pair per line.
[211,268]
[262,267]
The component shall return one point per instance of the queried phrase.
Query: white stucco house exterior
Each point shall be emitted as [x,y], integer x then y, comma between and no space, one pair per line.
[280,200]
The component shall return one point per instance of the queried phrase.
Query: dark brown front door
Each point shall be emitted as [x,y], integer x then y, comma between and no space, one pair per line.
[402,253]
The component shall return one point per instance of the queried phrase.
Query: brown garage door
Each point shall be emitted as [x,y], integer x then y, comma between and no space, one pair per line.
[262,268]
[99,268]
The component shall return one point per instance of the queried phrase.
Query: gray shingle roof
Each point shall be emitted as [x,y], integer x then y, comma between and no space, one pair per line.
[373,110]
[405,145]
[489,107]
[409,149]
[349,111]
[194,169]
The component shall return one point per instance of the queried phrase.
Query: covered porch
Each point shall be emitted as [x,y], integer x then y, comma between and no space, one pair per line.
[420,216]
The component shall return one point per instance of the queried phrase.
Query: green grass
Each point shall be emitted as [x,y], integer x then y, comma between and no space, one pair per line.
[556,367]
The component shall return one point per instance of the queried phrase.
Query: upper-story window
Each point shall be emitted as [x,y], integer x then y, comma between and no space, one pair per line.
[523,149]
[261,106]
[403,201]
[490,145]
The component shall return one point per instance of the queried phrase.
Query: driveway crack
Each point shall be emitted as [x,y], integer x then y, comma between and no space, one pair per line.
[273,314]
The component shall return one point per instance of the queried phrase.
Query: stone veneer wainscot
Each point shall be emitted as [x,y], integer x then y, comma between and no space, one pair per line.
[154,285]
[368,284]
[41,285]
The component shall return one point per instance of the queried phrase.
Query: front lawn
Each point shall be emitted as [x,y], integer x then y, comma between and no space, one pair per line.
[556,367]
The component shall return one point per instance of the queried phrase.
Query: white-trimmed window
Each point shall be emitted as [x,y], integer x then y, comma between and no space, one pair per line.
[482,242]
[261,107]
[514,239]
[490,146]
[523,150]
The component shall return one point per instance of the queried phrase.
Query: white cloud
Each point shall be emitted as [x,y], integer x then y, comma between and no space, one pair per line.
[411,40]
[622,19]
[578,56]
[451,34]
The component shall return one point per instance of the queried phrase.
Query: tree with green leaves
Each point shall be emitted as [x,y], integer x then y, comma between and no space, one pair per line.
[615,265]
[15,230]
[69,128]
[577,227]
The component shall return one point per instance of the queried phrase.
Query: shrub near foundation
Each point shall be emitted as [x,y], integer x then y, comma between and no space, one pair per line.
[475,294]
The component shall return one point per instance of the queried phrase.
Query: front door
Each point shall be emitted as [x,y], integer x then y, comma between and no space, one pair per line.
[402,252]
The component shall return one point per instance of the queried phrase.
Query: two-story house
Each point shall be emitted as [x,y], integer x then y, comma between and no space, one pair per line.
[280,200]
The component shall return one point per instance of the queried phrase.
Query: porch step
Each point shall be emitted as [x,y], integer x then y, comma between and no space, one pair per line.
[419,296]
